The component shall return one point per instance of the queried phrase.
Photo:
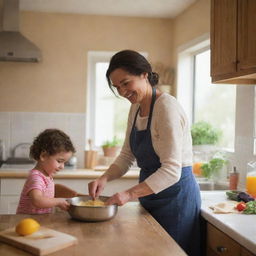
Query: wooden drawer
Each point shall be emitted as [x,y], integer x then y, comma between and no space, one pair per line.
[220,243]
[245,252]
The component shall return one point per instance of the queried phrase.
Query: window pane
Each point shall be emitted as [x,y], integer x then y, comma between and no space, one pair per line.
[111,112]
[214,103]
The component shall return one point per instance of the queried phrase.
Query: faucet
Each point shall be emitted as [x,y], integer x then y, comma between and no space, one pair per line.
[17,146]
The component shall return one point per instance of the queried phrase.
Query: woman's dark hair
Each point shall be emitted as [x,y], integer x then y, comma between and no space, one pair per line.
[132,62]
[51,141]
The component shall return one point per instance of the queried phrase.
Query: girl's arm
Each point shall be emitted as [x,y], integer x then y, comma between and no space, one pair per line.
[40,201]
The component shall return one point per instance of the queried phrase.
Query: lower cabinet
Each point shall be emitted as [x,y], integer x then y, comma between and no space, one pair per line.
[218,243]
[10,190]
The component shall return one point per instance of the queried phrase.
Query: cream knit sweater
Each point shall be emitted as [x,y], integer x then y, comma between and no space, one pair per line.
[171,139]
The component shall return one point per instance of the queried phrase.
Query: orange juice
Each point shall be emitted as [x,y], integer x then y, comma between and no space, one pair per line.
[251,185]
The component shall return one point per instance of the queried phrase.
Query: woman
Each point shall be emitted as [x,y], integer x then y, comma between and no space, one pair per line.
[158,137]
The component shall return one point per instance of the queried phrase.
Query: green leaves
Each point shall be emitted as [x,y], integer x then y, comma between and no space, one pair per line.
[203,133]
[250,208]
[112,143]
[212,167]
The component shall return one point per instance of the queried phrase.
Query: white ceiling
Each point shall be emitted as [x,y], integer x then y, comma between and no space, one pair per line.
[135,8]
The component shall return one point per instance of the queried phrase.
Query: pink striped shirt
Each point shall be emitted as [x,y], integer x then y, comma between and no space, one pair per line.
[35,180]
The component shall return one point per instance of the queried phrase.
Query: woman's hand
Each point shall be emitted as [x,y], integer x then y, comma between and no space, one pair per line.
[120,198]
[139,190]
[97,186]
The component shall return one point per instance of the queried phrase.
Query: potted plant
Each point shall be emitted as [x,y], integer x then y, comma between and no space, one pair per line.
[203,133]
[204,140]
[110,147]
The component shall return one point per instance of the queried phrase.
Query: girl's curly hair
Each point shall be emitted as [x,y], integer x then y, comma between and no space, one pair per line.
[51,141]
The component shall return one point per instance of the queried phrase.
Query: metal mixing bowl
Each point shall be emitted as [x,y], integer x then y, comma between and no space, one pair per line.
[90,213]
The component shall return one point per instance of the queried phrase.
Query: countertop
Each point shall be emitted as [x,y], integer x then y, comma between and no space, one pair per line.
[66,173]
[132,232]
[240,227]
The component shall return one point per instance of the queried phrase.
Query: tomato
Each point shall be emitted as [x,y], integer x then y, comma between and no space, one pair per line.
[241,206]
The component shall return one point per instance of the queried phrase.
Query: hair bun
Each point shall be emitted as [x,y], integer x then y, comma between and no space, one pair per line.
[153,78]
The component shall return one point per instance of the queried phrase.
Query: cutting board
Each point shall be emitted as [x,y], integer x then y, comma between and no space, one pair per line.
[42,242]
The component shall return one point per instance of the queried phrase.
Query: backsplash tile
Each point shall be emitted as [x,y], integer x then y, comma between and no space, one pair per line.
[20,127]
[5,129]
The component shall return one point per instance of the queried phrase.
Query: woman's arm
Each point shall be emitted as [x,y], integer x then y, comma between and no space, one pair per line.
[171,140]
[112,173]
[97,186]
[120,166]
[140,190]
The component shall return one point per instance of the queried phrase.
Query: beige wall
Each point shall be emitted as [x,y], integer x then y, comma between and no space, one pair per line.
[58,83]
[191,24]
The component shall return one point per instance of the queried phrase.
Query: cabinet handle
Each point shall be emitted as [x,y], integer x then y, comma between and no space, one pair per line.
[221,249]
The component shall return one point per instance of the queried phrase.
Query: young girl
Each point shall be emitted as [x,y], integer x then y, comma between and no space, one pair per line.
[51,149]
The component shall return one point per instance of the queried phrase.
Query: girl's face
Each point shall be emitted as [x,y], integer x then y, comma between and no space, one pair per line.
[132,87]
[51,164]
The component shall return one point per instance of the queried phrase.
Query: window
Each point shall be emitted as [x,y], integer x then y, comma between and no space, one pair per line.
[107,114]
[213,103]
[202,100]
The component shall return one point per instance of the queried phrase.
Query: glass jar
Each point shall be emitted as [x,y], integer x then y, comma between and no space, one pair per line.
[251,179]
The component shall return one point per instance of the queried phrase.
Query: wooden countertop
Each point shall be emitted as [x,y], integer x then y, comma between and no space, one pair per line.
[132,232]
[66,174]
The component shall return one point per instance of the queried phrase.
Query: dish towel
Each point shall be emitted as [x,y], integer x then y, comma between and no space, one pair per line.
[225,207]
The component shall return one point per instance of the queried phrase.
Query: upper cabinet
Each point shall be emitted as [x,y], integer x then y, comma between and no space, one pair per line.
[233,41]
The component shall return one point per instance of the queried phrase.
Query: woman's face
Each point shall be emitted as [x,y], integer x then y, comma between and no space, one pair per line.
[132,87]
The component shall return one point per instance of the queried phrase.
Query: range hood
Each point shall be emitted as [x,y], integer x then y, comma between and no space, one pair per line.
[13,45]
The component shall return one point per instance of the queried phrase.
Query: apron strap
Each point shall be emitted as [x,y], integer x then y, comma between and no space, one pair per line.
[151,107]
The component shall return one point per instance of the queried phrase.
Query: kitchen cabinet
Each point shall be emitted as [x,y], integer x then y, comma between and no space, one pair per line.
[218,243]
[233,41]
[246,252]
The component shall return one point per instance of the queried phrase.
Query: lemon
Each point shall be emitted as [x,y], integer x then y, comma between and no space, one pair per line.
[27,226]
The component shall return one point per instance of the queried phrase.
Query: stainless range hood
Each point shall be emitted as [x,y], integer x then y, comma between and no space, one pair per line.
[13,45]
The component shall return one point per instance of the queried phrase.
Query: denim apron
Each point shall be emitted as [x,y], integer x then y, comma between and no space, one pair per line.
[176,208]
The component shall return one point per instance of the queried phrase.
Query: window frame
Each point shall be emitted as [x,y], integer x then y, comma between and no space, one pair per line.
[92,59]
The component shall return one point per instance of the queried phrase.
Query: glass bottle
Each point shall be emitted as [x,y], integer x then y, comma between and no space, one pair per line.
[233,179]
[251,179]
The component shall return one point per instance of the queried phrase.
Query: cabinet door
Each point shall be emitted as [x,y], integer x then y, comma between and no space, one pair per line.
[9,204]
[247,35]
[210,252]
[245,252]
[223,37]
[220,243]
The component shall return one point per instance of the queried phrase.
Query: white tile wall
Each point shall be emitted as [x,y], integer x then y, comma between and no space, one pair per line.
[5,129]
[20,127]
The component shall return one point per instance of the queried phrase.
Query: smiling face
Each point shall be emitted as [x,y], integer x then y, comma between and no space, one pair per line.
[51,164]
[132,87]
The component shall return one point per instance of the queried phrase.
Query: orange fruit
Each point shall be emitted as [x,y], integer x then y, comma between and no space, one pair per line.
[197,170]
[27,226]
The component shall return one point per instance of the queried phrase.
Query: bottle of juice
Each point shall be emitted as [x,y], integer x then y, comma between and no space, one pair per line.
[251,179]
